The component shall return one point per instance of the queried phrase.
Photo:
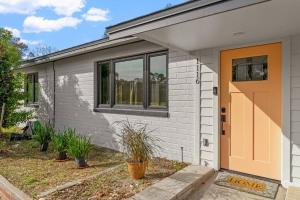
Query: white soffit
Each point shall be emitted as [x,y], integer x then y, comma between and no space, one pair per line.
[259,22]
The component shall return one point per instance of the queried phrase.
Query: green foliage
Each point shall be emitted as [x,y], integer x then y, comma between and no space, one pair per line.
[11,81]
[137,141]
[60,141]
[43,133]
[78,146]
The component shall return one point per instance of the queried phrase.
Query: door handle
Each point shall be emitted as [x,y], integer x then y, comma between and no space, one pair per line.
[223,120]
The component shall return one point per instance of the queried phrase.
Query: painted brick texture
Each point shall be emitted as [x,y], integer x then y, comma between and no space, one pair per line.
[295,109]
[75,100]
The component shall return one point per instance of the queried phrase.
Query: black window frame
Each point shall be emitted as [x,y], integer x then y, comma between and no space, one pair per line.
[145,109]
[35,79]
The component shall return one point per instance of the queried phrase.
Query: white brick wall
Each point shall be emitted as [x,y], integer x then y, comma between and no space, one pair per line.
[75,100]
[295,109]
[45,75]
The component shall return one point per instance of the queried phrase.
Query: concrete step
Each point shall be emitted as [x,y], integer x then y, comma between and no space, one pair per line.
[293,193]
[178,186]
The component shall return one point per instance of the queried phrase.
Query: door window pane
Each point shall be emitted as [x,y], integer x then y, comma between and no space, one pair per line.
[129,82]
[158,81]
[104,83]
[250,69]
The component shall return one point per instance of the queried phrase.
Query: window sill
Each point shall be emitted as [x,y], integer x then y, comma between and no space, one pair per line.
[32,105]
[151,113]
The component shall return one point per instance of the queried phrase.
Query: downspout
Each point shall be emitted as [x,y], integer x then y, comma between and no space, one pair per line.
[54,93]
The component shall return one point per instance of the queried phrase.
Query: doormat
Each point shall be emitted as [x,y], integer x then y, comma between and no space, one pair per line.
[247,184]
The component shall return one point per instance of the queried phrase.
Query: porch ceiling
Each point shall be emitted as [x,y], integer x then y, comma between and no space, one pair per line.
[264,21]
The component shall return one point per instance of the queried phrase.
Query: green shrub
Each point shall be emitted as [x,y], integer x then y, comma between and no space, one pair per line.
[42,133]
[78,146]
[60,141]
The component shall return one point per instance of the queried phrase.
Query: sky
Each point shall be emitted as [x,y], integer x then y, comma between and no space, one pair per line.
[65,23]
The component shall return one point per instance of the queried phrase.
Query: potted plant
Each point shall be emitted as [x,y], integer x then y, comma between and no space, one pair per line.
[43,134]
[79,147]
[139,145]
[60,144]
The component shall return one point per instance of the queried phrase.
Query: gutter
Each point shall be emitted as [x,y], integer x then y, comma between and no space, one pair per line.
[80,50]
[54,93]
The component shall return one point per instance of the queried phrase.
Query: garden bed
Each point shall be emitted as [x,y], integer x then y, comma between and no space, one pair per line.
[34,172]
[116,184]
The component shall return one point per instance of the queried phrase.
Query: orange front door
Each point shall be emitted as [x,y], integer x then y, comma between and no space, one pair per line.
[251,110]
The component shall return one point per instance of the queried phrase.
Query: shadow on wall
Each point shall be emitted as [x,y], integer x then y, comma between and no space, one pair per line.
[45,110]
[74,109]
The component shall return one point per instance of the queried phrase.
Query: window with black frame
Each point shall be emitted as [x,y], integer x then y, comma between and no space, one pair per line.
[138,82]
[32,88]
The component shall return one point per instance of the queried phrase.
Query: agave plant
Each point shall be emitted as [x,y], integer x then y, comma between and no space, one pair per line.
[42,133]
[79,147]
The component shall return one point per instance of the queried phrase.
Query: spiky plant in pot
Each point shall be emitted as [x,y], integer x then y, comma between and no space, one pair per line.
[139,145]
[79,147]
[43,133]
[60,144]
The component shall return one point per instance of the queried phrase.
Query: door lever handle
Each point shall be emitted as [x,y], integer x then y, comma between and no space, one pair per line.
[223,120]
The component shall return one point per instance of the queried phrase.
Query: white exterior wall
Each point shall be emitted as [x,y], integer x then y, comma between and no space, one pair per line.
[45,76]
[295,109]
[192,107]
[75,100]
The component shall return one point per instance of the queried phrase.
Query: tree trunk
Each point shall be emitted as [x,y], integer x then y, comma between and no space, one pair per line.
[2,116]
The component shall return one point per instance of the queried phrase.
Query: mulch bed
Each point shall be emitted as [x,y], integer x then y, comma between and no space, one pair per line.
[117,185]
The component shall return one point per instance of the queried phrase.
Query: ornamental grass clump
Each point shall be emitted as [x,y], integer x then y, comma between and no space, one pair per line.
[79,147]
[43,133]
[139,145]
[60,144]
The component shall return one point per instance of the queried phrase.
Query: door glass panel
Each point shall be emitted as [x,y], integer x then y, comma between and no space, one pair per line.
[250,69]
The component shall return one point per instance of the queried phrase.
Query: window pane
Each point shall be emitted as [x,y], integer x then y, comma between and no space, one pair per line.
[104,83]
[250,69]
[36,88]
[129,82]
[158,81]
[30,94]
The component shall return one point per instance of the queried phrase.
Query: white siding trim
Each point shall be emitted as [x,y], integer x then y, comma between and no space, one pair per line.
[286,113]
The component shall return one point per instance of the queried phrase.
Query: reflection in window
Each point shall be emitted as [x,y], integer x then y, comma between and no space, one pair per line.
[103,69]
[32,88]
[250,69]
[158,81]
[129,82]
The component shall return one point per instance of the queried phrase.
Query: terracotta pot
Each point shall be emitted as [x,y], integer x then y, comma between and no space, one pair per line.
[137,169]
[80,162]
[62,156]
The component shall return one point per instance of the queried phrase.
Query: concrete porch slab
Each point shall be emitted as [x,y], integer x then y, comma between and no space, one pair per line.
[178,186]
[293,193]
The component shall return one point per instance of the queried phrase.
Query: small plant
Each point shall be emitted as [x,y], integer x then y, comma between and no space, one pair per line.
[139,145]
[60,144]
[79,147]
[43,134]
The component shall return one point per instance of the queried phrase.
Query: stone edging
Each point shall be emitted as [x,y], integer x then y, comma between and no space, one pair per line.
[178,186]
[76,182]
[12,192]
